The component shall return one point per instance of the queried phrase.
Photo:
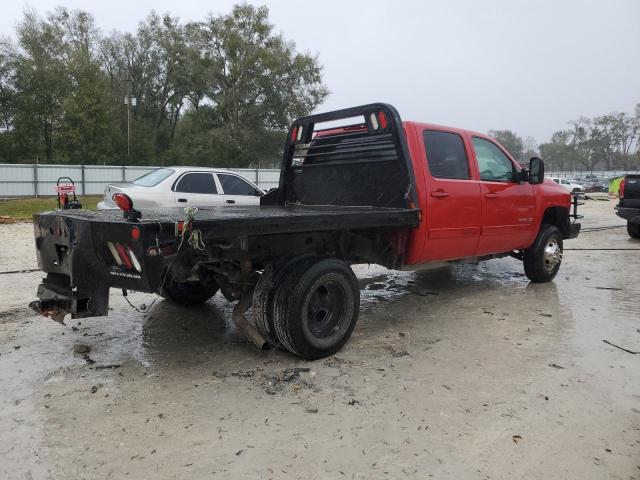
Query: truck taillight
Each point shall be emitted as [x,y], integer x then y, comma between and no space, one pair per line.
[124,256]
[122,252]
[134,260]
[621,189]
[114,253]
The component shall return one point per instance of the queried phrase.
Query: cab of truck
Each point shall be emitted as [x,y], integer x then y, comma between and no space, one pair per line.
[477,200]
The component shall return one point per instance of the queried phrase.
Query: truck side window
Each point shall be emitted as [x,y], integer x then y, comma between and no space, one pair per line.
[233,185]
[446,155]
[494,165]
[197,182]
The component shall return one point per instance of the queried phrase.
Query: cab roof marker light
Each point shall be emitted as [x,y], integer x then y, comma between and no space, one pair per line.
[134,260]
[114,253]
[383,119]
[374,121]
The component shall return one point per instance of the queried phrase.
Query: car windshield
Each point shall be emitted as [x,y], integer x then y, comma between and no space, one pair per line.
[152,179]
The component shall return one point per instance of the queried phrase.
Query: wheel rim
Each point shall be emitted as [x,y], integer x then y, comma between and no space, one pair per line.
[552,254]
[325,309]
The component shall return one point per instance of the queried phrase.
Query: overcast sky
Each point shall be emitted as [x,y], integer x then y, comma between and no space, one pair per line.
[529,66]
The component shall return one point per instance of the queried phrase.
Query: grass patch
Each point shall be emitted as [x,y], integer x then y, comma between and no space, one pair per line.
[24,208]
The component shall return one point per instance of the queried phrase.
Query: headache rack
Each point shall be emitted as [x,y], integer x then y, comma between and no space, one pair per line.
[357,157]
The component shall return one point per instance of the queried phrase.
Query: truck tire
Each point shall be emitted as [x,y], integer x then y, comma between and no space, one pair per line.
[189,293]
[316,307]
[542,260]
[264,292]
[633,229]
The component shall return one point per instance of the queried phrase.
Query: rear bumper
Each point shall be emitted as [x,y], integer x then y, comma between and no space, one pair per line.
[630,214]
[574,230]
[76,254]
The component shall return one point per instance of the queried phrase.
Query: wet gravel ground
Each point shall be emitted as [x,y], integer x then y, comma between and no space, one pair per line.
[465,373]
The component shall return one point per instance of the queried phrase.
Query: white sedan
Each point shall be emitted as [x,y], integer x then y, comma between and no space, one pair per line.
[183,187]
[570,185]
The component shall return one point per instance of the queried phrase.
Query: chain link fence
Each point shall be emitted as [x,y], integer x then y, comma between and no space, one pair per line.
[582,174]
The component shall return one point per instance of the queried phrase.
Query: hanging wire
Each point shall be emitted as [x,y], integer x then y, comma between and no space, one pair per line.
[189,216]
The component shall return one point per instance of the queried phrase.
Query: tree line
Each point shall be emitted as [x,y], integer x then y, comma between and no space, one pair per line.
[605,142]
[216,92]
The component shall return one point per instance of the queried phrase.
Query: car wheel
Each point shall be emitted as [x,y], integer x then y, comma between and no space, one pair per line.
[633,229]
[542,260]
[189,293]
[316,308]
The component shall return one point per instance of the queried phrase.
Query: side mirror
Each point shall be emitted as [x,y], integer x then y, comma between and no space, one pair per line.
[536,171]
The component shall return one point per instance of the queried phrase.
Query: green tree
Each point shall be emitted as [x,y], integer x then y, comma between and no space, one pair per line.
[258,82]
[8,106]
[558,152]
[42,83]
[218,92]
[511,141]
[88,126]
[530,149]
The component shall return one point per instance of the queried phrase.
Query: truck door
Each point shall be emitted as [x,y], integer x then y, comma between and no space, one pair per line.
[453,212]
[197,189]
[508,206]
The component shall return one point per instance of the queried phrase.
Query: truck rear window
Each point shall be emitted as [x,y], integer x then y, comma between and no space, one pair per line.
[446,155]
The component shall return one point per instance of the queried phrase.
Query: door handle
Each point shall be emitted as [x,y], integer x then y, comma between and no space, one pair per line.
[182,200]
[491,195]
[231,201]
[439,194]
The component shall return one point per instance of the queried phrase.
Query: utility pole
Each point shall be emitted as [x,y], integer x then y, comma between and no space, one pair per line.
[128,100]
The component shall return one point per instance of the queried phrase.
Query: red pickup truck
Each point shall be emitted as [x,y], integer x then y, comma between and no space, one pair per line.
[372,189]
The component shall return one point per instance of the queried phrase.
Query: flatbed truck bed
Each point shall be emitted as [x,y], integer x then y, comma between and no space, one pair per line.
[216,222]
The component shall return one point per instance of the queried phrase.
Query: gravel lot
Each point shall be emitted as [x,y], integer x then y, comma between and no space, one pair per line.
[465,373]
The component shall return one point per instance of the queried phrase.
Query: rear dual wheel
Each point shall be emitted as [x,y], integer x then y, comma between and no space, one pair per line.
[313,307]
[264,293]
